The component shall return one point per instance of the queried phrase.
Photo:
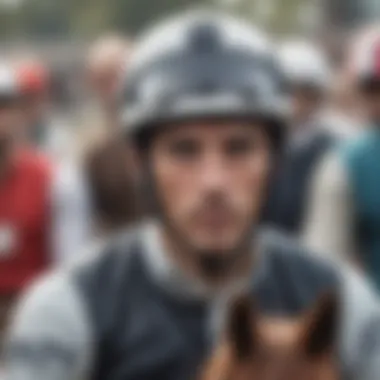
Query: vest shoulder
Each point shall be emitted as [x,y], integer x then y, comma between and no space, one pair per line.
[106,263]
[105,250]
[107,277]
[301,263]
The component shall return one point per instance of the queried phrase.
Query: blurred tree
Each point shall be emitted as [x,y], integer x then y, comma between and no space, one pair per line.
[130,16]
[277,15]
[90,17]
[83,18]
[7,24]
[39,18]
[87,18]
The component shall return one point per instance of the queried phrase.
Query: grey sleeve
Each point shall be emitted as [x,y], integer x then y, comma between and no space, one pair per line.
[71,213]
[50,338]
[360,335]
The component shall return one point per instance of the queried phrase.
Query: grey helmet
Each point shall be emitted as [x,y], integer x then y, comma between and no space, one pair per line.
[203,65]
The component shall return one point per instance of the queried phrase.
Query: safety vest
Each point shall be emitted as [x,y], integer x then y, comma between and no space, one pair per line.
[143,331]
[24,221]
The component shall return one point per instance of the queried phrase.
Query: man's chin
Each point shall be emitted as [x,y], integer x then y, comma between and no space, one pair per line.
[215,257]
[219,250]
[214,266]
[217,244]
[215,254]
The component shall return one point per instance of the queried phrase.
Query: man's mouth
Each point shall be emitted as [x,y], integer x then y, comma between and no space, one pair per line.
[215,219]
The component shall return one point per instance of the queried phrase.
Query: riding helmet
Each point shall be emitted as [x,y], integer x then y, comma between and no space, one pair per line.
[202,65]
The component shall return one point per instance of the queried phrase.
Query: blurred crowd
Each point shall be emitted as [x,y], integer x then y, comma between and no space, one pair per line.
[67,181]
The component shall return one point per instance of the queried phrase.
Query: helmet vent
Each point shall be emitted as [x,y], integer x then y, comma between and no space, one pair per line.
[205,37]
[207,87]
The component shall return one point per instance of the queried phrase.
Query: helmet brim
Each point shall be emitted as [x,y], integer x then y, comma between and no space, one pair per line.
[145,122]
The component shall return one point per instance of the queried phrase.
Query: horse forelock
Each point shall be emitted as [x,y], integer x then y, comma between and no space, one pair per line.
[278,356]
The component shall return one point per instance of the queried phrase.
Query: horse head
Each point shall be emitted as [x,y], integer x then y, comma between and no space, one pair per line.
[261,348]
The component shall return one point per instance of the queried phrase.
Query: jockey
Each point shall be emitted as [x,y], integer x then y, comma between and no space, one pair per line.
[203,105]
[33,221]
[31,218]
[70,222]
[25,179]
[307,75]
[345,210]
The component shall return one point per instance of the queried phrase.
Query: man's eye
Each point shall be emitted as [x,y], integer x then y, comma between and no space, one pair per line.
[239,147]
[184,149]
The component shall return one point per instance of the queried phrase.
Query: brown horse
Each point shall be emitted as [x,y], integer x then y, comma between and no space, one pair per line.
[260,348]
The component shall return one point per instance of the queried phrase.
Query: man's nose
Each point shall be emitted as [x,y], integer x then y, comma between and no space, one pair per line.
[3,119]
[214,172]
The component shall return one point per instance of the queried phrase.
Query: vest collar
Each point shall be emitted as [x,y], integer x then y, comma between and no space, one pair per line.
[180,284]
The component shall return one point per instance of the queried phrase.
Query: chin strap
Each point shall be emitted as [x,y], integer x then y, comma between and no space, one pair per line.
[213,266]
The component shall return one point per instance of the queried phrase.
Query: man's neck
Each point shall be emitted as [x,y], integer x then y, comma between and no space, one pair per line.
[181,276]
[236,268]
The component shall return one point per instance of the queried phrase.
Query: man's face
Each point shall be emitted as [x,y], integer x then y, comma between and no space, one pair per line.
[210,181]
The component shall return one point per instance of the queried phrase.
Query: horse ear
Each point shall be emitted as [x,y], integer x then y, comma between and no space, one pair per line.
[240,326]
[320,329]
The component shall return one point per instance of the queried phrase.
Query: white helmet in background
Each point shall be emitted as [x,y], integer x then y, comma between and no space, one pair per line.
[305,64]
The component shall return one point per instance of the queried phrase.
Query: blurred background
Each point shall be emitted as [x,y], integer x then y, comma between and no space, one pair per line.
[73,54]
[36,20]
[59,31]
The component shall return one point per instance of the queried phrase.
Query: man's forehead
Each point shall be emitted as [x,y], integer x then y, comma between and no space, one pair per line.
[210,129]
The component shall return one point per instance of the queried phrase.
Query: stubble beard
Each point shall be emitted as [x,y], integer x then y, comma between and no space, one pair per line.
[211,266]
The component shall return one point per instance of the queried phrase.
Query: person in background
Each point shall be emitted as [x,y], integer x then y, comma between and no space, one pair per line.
[344,215]
[97,178]
[25,190]
[343,115]
[42,128]
[307,78]
[151,303]
[103,70]
[111,183]
[43,132]
[111,177]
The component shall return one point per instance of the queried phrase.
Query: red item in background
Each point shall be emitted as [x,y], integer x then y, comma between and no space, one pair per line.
[33,79]
[24,222]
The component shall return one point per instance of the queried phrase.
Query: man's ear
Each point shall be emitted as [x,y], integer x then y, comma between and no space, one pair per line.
[241,331]
[320,329]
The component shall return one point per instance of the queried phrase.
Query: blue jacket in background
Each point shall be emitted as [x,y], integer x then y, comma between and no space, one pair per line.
[362,161]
